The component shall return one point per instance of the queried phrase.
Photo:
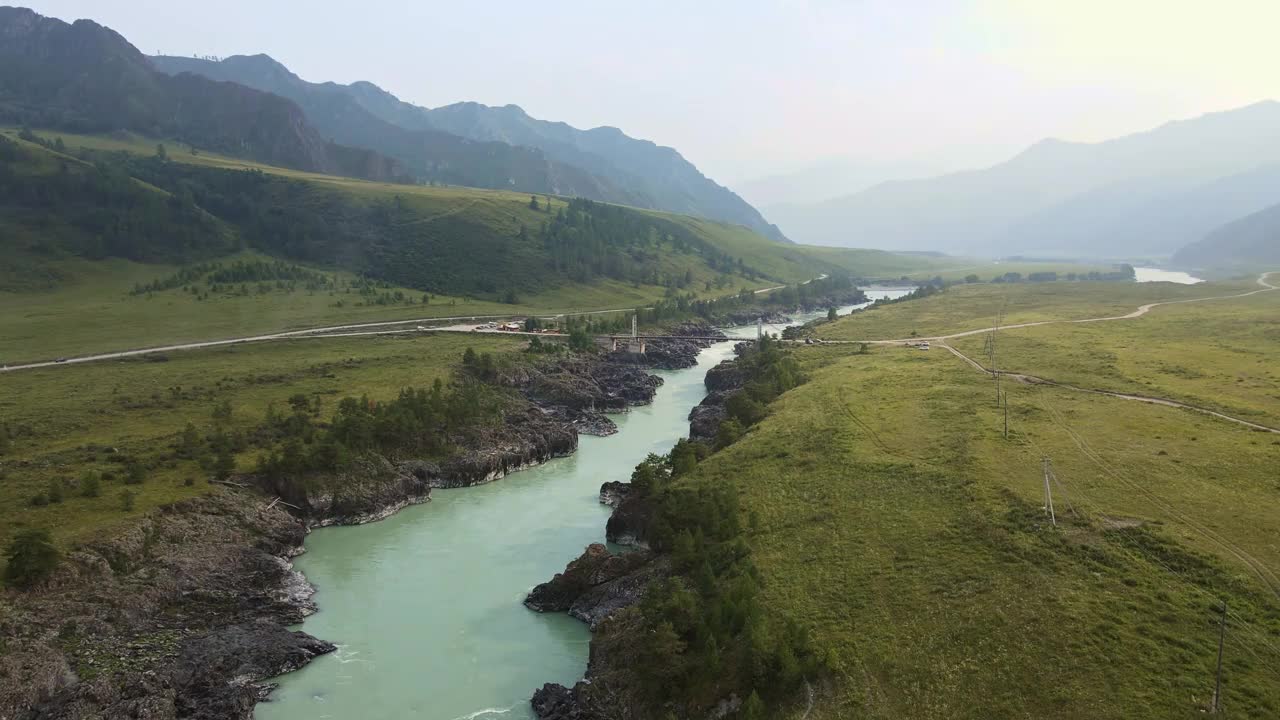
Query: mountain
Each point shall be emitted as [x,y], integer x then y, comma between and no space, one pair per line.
[1251,242]
[1145,217]
[431,154]
[83,77]
[826,180]
[602,163]
[994,211]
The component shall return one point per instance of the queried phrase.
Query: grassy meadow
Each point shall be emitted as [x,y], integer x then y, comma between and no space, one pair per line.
[91,309]
[1166,353]
[922,267]
[65,421]
[974,307]
[899,526]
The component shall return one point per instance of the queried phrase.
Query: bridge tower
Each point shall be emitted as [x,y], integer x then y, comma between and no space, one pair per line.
[636,346]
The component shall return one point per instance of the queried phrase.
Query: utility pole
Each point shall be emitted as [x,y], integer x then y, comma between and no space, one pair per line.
[633,327]
[1048,494]
[759,328]
[1217,683]
[995,368]
[1006,416]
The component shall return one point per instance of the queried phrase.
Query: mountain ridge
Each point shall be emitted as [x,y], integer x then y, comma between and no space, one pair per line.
[625,169]
[1251,242]
[973,211]
[85,77]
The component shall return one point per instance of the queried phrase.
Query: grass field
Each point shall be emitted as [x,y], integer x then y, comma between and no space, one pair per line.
[972,307]
[87,419]
[91,310]
[921,267]
[1166,353]
[901,528]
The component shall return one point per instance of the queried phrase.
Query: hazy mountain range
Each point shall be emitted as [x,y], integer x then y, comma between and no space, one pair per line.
[83,77]
[828,179]
[1150,193]
[1250,243]
[483,146]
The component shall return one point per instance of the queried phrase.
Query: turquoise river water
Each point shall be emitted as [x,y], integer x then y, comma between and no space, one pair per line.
[425,606]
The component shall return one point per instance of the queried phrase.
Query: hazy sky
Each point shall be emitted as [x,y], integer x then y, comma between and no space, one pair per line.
[746,88]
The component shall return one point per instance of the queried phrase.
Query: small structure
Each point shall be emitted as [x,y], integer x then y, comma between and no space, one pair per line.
[634,344]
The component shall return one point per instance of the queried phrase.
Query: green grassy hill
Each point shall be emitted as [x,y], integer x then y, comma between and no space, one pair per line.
[90,219]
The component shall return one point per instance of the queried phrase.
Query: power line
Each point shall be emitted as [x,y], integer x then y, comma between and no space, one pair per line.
[1137,553]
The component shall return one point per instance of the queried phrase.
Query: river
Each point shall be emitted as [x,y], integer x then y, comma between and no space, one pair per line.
[1145,274]
[425,606]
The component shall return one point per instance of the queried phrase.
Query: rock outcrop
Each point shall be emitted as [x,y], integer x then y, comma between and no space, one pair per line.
[526,438]
[595,585]
[612,493]
[631,523]
[181,616]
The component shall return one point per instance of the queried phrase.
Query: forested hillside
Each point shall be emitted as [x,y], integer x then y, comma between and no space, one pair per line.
[96,204]
[83,77]
[497,147]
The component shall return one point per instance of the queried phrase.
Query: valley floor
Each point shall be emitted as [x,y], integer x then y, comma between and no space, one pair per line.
[902,527]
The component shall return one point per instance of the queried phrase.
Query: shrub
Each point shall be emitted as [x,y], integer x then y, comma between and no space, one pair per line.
[126,500]
[31,559]
[135,474]
[90,485]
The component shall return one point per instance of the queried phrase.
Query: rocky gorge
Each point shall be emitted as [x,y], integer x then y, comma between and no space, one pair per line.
[186,613]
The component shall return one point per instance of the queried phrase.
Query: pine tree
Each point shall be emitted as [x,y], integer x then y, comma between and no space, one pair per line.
[31,559]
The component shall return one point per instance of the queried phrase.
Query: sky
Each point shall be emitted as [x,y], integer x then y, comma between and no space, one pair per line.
[750,88]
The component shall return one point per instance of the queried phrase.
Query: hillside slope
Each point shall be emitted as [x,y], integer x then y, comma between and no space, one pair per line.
[83,77]
[1244,244]
[602,163]
[979,211]
[443,240]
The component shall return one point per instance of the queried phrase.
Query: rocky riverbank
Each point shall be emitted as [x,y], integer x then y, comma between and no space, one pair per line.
[603,589]
[186,614]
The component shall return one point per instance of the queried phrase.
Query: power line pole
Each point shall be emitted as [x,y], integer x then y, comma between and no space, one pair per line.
[1062,491]
[1048,494]
[995,367]
[1006,416]
[1217,683]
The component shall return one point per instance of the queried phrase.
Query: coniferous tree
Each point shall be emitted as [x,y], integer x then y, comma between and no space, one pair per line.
[31,558]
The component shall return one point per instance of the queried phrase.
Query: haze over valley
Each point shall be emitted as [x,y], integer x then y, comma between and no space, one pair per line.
[777,360]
